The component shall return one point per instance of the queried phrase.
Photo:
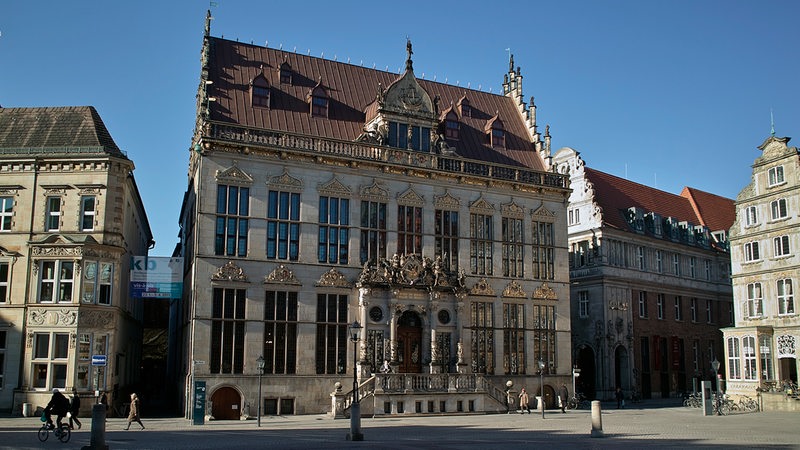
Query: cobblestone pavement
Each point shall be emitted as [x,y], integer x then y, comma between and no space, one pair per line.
[632,427]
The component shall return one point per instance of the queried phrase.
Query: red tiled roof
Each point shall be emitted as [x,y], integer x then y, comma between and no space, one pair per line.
[615,195]
[352,91]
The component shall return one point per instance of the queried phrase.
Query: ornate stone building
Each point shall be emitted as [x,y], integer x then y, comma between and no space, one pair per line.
[650,283]
[70,219]
[323,193]
[761,349]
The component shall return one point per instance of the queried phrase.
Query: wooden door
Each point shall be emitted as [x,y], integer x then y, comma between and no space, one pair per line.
[226,404]
[409,349]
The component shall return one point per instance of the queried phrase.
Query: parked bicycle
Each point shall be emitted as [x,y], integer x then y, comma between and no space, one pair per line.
[62,432]
[693,400]
[578,401]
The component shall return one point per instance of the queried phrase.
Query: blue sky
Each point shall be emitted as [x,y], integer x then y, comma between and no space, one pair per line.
[664,93]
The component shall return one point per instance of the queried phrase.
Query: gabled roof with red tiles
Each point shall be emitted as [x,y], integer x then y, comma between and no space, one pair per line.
[55,130]
[615,195]
[352,92]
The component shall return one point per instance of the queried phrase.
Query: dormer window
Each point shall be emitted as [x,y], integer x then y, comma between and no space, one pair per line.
[259,92]
[497,135]
[463,105]
[319,101]
[451,125]
[285,71]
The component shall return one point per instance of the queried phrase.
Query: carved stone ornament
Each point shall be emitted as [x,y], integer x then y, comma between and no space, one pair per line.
[374,192]
[281,275]
[334,188]
[410,198]
[52,317]
[543,213]
[446,201]
[333,278]
[285,182]
[787,346]
[57,251]
[97,319]
[481,206]
[513,210]
[545,292]
[514,290]
[230,272]
[482,287]
[234,175]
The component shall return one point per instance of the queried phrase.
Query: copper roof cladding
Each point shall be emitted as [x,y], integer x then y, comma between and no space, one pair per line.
[55,130]
[615,195]
[351,90]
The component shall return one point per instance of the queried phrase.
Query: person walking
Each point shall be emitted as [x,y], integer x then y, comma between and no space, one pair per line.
[134,414]
[620,398]
[74,408]
[563,397]
[523,402]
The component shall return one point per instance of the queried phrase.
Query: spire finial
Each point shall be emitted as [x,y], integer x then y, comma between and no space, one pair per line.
[771,123]
[208,23]
[409,63]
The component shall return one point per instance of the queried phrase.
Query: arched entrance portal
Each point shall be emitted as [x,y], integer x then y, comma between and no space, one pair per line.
[585,383]
[409,343]
[621,368]
[226,404]
[549,397]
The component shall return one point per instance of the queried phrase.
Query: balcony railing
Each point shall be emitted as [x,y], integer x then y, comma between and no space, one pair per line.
[395,156]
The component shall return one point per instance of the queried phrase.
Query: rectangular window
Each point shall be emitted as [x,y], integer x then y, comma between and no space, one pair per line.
[707,264]
[398,135]
[481,232]
[319,107]
[88,212]
[749,356]
[543,251]
[6,213]
[373,231]
[751,216]
[692,267]
[280,333]
[696,355]
[4,277]
[283,225]
[50,354]
[660,306]
[640,257]
[781,246]
[87,374]
[420,138]
[513,339]
[734,361]
[2,358]
[659,261]
[583,304]
[332,339]
[574,216]
[678,308]
[754,306]
[676,264]
[693,308]
[482,324]
[775,176]
[709,311]
[642,304]
[513,245]
[334,230]
[409,230]
[785,297]
[778,209]
[544,336]
[227,331]
[446,237]
[751,251]
[233,210]
[765,347]
[56,281]
[52,221]
[97,281]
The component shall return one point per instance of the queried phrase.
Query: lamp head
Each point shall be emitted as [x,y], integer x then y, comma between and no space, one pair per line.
[355,329]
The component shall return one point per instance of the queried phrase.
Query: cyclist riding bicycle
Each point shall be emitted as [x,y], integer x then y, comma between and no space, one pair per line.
[58,405]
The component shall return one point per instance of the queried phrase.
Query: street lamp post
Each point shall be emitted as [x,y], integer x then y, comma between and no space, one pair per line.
[355,407]
[260,367]
[715,366]
[541,383]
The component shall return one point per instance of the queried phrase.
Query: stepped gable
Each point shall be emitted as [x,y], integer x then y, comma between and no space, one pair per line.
[352,91]
[69,129]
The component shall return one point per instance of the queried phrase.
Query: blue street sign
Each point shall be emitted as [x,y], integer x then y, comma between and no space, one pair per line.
[99,360]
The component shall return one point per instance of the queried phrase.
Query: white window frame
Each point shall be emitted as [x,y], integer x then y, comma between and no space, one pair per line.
[734,363]
[751,252]
[98,282]
[88,214]
[678,308]
[50,355]
[676,264]
[60,285]
[751,216]
[693,308]
[785,297]
[583,304]
[659,261]
[660,306]
[749,357]
[754,305]
[779,209]
[709,311]
[692,267]
[780,246]
[6,213]
[775,176]
[574,216]
[707,263]
[52,219]
[5,277]
[643,304]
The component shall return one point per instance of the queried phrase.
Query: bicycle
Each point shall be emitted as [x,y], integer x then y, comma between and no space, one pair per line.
[62,432]
[577,401]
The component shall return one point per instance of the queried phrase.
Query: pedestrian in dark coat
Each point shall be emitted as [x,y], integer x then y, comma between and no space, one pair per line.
[563,395]
[620,398]
[74,409]
[58,405]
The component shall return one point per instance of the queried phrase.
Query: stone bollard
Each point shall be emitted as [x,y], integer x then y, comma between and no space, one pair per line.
[597,419]
[98,434]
